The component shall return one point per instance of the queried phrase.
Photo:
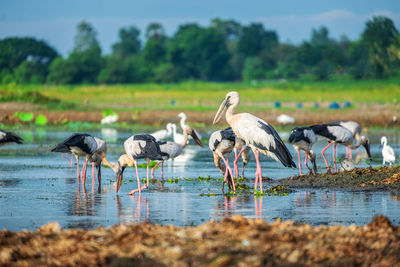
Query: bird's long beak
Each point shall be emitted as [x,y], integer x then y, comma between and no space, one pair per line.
[220,112]
[196,139]
[366,145]
[119,178]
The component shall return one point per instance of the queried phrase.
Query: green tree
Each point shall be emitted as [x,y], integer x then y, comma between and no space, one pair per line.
[379,34]
[85,38]
[62,71]
[255,38]
[129,42]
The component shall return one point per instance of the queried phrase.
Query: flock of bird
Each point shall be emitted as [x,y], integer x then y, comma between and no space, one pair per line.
[246,132]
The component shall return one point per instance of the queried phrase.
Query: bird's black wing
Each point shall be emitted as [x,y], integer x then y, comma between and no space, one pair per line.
[9,137]
[144,137]
[280,149]
[83,141]
[322,130]
[228,134]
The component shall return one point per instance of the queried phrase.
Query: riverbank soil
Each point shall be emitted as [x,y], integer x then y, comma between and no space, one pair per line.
[358,179]
[235,241]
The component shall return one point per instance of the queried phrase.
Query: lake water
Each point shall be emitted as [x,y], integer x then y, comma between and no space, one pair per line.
[37,186]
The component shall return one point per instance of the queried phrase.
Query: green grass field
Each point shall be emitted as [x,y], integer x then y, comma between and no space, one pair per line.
[199,95]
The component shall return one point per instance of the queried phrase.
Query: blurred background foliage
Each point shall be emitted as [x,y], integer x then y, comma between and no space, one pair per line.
[223,51]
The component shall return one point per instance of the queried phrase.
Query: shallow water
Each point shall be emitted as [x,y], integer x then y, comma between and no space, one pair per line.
[37,186]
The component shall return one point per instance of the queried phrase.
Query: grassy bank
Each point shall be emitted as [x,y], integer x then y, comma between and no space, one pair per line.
[198,96]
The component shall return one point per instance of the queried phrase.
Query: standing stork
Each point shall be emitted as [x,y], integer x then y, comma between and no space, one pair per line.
[303,138]
[91,148]
[9,137]
[336,134]
[138,147]
[257,134]
[171,150]
[387,152]
[163,134]
[178,137]
[184,125]
[221,144]
[355,128]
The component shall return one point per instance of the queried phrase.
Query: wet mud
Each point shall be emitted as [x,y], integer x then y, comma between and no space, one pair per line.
[358,179]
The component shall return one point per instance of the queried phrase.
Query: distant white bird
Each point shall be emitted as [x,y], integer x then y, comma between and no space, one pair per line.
[336,134]
[184,125]
[138,147]
[355,128]
[178,137]
[285,119]
[163,134]
[171,150]
[257,134]
[303,138]
[109,119]
[387,152]
[9,137]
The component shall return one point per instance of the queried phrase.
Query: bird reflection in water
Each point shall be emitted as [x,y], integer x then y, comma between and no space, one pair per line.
[258,206]
[85,206]
[307,202]
[229,205]
[123,218]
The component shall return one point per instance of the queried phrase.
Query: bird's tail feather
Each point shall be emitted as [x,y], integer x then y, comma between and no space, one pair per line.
[61,148]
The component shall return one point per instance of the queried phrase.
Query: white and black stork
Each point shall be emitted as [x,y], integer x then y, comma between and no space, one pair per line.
[257,134]
[140,146]
[337,134]
[303,138]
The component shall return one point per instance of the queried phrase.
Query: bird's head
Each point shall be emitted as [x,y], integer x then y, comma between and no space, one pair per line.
[182,115]
[123,161]
[190,131]
[365,142]
[232,98]
[295,135]
[383,141]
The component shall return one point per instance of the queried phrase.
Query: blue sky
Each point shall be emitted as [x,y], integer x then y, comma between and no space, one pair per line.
[55,20]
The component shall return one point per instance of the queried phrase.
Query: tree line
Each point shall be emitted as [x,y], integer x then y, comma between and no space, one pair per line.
[223,51]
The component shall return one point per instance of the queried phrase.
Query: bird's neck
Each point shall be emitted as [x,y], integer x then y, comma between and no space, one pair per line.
[358,143]
[183,120]
[230,112]
[185,140]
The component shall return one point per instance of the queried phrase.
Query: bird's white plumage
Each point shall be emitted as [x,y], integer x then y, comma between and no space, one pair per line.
[172,149]
[352,126]
[387,152]
[342,134]
[248,128]
[178,138]
[224,146]
[163,134]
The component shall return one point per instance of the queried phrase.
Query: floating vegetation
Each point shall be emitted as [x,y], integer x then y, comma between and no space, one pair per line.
[208,194]
[204,178]
[258,193]
[279,190]
[230,194]
[151,165]
[41,120]
[24,116]
[242,186]
[188,179]
[173,181]
[151,181]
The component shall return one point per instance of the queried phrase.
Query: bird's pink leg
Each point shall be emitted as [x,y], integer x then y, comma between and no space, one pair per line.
[138,181]
[152,169]
[235,167]
[230,171]
[94,175]
[347,152]
[77,168]
[83,175]
[259,172]
[350,153]
[236,160]
[334,156]
[323,155]
[298,156]
[147,182]
[69,160]
[162,170]
[306,161]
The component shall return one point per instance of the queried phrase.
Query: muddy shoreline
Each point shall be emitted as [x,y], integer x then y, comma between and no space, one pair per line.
[358,179]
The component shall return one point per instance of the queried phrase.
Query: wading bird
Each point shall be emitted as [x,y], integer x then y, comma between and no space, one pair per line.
[257,134]
[140,146]
[91,148]
[163,134]
[303,138]
[387,152]
[184,125]
[171,150]
[9,137]
[336,134]
[221,144]
[355,128]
